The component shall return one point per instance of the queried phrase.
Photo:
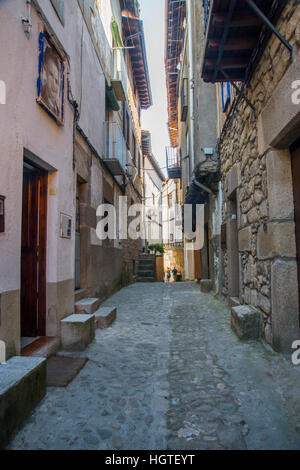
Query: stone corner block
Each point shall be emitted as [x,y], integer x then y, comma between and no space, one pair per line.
[246,322]
[77,331]
[285,304]
[206,286]
[22,387]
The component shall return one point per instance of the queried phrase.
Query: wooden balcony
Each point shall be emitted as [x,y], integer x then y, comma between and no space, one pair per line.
[237,32]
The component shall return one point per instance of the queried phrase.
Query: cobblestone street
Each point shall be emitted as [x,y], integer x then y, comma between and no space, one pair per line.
[170,374]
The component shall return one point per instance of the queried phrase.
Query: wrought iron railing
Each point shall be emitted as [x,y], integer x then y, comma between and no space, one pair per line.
[206,6]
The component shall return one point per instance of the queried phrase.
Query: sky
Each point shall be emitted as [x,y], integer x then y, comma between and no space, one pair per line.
[155,119]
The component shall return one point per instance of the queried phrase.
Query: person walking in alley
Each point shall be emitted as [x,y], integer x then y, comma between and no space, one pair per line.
[168,274]
[174,272]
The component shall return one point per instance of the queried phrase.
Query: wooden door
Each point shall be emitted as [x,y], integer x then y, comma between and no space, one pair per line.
[296,186]
[33,256]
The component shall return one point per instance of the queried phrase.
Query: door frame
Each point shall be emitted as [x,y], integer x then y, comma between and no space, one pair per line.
[41,220]
[295,148]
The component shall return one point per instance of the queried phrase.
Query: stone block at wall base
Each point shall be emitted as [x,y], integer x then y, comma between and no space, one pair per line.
[22,386]
[206,285]
[246,322]
[104,317]
[285,304]
[77,332]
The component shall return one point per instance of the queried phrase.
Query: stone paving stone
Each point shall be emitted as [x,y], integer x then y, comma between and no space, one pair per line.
[170,374]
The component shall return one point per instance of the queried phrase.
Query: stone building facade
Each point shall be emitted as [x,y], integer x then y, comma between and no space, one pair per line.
[258,140]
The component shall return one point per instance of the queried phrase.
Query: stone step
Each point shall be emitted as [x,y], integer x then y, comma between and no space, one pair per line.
[146,279]
[77,331]
[146,270]
[87,305]
[104,317]
[22,386]
[246,322]
[80,294]
[147,265]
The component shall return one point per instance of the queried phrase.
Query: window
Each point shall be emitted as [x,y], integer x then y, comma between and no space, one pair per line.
[139,164]
[134,267]
[59,8]
[134,148]
[226,96]
[126,125]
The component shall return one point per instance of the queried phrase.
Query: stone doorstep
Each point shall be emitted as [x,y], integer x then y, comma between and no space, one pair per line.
[77,331]
[104,317]
[246,322]
[22,386]
[44,347]
[87,306]
[206,286]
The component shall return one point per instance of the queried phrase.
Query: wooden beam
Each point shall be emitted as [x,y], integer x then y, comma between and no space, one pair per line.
[234,62]
[235,44]
[239,20]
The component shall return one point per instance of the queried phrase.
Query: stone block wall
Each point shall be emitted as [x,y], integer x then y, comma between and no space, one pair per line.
[249,167]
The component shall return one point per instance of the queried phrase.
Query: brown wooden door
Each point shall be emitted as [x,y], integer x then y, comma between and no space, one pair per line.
[33,258]
[296,185]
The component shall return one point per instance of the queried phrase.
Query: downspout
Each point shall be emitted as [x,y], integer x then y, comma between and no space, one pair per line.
[192,82]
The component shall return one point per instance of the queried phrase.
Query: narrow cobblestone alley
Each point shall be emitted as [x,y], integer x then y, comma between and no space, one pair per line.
[170,374]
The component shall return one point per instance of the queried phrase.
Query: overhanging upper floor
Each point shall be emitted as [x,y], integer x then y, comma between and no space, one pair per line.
[237,32]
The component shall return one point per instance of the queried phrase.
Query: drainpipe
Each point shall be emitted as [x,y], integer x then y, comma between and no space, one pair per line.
[192,81]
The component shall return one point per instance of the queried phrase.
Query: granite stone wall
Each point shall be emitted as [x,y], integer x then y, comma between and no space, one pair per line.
[247,171]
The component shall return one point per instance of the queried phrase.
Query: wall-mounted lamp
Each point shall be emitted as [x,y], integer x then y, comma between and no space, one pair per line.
[27,25]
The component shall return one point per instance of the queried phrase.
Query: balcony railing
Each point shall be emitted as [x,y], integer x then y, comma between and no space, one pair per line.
[173,162]
[115,148]
[120,77]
